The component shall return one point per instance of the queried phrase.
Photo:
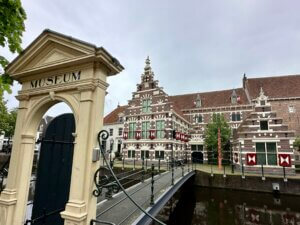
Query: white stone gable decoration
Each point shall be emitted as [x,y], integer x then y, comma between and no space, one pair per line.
[262,98]
[146,96]
[160,101]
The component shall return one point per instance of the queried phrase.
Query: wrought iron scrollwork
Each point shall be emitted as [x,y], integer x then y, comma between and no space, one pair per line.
[101,180]
[103,135]
[104,181]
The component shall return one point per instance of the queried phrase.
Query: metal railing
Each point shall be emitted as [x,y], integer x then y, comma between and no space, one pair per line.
[43,217]
[260,169]
[103,135]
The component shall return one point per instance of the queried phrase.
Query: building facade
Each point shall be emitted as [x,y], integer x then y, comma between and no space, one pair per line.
[156,125]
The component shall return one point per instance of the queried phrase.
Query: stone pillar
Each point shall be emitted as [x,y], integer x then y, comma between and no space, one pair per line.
[14,197]
[81,207]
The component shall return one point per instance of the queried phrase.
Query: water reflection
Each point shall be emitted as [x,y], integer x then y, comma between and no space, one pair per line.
[204,206]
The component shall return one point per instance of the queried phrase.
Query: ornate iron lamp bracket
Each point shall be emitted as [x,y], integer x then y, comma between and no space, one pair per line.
[101,180]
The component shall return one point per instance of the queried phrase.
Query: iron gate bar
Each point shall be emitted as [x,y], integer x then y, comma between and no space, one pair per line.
[43,217]
[55,141]
[164,199]
[104,135]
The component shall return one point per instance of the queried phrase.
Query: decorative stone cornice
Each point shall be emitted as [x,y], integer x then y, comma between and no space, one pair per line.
[22,97]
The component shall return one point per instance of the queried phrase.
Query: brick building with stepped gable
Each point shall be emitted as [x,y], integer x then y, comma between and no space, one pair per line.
[151,116]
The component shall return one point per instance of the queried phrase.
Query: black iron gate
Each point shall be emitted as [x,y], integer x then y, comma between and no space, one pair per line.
[54,172]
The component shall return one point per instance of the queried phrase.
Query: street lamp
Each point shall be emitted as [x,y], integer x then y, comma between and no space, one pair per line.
[172,146]
[110,151]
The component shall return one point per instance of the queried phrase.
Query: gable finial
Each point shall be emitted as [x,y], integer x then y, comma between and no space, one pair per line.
[147,63]
[261,92]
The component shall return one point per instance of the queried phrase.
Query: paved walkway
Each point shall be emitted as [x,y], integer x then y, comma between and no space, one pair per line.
[120,210]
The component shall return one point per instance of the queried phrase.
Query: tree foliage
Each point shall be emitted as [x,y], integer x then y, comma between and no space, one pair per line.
[12,27]
[7,119]
[211,132]
[297,143]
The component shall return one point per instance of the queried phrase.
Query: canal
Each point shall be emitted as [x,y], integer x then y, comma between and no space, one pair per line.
[210,206]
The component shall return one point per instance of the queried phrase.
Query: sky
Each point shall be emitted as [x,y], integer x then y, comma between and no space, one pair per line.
[194,46]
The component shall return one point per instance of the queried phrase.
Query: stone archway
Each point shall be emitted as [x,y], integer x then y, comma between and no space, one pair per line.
[57,68]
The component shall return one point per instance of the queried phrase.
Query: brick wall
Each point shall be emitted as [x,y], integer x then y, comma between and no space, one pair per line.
[289,118]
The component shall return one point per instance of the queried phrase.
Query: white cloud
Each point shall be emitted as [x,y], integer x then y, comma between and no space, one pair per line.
[194,46]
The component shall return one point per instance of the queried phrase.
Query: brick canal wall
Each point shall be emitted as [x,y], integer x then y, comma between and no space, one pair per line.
[250,183]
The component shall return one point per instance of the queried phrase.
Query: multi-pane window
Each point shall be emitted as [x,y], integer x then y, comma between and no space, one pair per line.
[160,129]
[291,109]
[145,129]
[120,131]
[236,116]
[197,147]
[198,119]
[266,153]
[264,125]
[131,153]
[111,132]
[146,106]
[159,154]
[144,154]
[132,128]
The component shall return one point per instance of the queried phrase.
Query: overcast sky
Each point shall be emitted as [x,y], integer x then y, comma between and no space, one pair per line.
[194,46]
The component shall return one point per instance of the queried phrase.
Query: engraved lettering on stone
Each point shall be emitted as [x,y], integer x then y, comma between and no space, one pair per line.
[56,79]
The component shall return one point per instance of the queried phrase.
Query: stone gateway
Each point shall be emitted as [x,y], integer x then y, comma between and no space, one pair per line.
[57,68]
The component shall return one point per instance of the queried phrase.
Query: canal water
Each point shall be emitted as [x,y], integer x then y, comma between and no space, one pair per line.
[209,206]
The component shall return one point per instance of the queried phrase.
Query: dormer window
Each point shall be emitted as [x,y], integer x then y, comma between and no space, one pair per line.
[121,119]
[263,102]
[198,101]
[234,98]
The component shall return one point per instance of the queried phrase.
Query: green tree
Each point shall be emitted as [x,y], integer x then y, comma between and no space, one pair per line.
[211,135]
[12,27]
[11,123]
[3,115]
[7,119]
[297,143]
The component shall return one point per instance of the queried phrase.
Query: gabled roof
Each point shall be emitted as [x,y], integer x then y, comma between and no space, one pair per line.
[275,87]
[113,117]
[209,99]
[51,49]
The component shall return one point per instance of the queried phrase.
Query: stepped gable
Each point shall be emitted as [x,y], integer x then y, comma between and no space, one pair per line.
[273,86]
[113,117]
[250,127]
[209,99]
